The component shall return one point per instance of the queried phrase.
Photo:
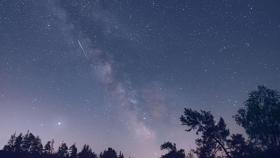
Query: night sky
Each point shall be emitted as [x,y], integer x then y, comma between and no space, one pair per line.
[118,73]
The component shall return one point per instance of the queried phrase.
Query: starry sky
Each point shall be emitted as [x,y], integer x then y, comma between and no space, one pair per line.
[118,73]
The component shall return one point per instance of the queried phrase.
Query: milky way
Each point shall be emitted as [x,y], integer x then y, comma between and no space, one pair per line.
[119,73]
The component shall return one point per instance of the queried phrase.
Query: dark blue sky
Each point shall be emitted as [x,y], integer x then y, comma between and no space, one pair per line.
[119,72]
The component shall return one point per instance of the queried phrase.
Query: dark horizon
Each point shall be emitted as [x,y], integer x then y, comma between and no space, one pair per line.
[101,72]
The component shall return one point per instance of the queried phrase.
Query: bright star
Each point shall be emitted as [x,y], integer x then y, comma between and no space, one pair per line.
[59,123]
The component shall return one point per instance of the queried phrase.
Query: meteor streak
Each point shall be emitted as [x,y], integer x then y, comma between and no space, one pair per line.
[82,48]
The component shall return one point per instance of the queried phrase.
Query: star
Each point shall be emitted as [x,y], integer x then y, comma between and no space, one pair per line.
[59,123]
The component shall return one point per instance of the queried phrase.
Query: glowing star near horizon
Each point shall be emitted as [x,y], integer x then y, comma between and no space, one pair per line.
[59,123]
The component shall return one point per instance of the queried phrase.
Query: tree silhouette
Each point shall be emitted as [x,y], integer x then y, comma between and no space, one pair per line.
[48,148]
[73,151]
[18,142]
[29,146]
[63,150]
[11,144]
[27,140]
[172,151]
[36,146]
[261,118]
[213,135]
[86,152]
[239,148]
[110,153]
[120,155]
[190,155]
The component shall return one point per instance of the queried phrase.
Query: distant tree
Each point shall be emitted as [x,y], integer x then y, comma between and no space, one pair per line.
[239,148]
[11,143]
[110,153]
[120,155]
[26,142]
[213,135]
[207,148]
[190,155]
[31,144]
[36,146]
[18,143]
[86,152]
[73,151]
[260,117]
[63,151]
[48,148]
[172,151]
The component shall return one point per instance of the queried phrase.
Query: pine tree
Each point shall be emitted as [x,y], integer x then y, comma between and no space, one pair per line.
[73,151]
[47,148]
[18,143]
[11,144]
[36,146]
[172,151]
[213,134]
[86,152]
[26,142]
[260,117]
[63,151]
[120,155]
[110,153]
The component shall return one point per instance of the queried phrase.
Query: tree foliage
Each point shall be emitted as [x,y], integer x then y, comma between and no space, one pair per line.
[73,151]
[63,150]
[172,151]
[260,117]
[30,146]
[86,152]
[238,146]
[109,153]
[213,134]
[48,148]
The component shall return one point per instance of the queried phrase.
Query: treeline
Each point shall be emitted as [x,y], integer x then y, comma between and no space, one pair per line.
[30,146]
[260,118]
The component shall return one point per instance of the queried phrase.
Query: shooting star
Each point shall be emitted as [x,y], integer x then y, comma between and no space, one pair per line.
[82,48]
